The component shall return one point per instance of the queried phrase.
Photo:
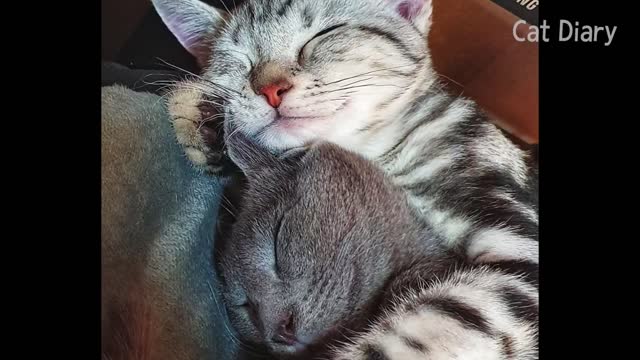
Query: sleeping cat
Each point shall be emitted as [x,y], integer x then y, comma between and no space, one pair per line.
[357,73]
[315,268]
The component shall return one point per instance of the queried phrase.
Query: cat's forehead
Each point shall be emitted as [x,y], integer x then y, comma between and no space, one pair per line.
[323,169]
[329,168]
[261,12]
[271,26]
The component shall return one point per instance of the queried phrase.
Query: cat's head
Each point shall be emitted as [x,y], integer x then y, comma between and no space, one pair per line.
[292,72]
[313,245]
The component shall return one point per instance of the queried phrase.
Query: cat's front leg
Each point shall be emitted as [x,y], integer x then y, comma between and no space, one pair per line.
[424,335]
[199,128]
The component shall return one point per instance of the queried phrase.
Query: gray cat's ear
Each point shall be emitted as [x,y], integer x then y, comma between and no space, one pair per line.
[250,157]
[193,23]
[418,12]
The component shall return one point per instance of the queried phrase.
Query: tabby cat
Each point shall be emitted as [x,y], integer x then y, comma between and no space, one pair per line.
[357,73]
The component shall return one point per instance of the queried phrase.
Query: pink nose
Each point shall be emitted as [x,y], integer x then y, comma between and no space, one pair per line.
[274,92]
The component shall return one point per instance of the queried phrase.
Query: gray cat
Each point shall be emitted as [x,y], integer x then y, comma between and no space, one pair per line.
[326,259]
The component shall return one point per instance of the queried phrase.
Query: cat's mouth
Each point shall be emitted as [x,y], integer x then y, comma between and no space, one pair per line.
[299,129]
[294,121]
[288,120]
[312,345]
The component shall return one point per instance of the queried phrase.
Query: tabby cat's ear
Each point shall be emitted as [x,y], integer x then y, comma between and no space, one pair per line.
[418,12]
[193,23]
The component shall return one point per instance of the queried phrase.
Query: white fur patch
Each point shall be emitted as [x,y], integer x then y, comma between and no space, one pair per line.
[495,244]
[186,119]
[426,171]
[196,156]
[449,226]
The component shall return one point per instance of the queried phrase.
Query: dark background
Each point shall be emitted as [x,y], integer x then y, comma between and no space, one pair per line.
[133,35]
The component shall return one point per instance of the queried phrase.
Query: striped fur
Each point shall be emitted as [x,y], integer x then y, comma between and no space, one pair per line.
[465,178]
[362,79]
[470,313]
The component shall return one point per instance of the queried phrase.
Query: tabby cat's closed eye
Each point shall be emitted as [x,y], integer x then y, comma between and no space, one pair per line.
[319,34]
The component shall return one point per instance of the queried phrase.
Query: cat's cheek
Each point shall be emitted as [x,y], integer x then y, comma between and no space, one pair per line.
[243,325]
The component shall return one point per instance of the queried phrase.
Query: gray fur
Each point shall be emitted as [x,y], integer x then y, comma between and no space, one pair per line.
[158,216]
[315,239]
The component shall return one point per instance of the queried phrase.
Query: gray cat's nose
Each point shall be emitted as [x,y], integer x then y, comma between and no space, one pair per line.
[285,333]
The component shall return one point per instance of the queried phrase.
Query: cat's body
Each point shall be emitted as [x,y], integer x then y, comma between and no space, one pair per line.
[316,268]
[466,179]
[357,73]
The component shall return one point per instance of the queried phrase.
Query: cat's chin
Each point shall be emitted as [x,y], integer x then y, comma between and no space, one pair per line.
[285,133]
[294,124]
[289,351]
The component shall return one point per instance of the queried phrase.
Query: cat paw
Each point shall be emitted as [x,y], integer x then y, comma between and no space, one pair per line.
[198,128]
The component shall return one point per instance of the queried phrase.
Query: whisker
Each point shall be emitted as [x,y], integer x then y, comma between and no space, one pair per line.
[369,72]
[205,122]
[450,79]
[226,23]
[234,131]
[212,117]
[212,102]
[205,89]
[358,81]
[224,198]
[360,86]
[177,67]
[209,82]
